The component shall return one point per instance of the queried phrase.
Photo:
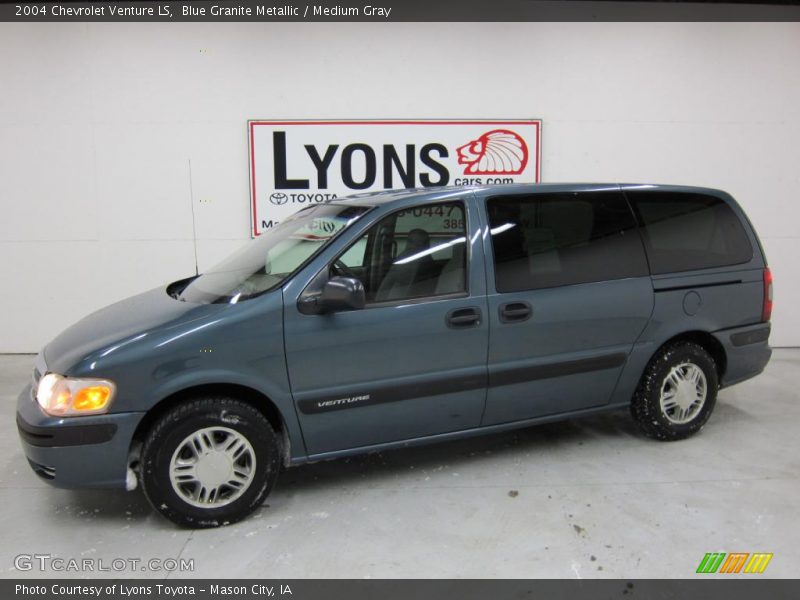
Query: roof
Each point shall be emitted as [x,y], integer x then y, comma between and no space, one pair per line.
[388,196]
[446,192]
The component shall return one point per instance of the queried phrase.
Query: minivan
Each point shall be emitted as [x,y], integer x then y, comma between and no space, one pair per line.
[398,318]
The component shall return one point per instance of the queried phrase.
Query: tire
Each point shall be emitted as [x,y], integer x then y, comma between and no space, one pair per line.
[680,372]
[226,458]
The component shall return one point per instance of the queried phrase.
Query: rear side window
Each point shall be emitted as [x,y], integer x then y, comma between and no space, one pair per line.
[550,240]
[684,232]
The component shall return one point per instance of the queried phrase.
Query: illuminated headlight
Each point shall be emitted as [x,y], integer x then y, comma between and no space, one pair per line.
[70,396]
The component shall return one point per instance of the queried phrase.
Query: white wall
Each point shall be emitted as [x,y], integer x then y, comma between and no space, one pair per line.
[98,122]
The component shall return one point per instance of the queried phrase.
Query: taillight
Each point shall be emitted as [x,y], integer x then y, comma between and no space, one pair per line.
[766,309]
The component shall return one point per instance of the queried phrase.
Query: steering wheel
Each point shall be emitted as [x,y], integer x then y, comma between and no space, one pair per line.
[343,269]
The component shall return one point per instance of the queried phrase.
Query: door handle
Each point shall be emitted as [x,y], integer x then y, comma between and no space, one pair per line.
[515,312]
[461,318]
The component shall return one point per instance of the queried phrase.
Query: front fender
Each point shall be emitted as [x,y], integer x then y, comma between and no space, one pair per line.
[281,398]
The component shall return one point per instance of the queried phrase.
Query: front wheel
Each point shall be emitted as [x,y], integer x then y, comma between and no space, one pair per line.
[677,392]
[209,462]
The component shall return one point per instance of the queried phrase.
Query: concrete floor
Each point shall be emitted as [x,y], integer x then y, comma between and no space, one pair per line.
[588,498]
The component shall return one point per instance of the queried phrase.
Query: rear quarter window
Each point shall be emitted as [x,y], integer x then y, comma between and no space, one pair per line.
[686,232]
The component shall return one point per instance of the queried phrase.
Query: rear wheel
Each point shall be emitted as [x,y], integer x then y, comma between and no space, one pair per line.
[209,462]
[677,392]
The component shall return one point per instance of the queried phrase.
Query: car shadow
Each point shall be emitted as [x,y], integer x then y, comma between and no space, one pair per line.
[380,467]
[97,506]
[118,506]
[454,454]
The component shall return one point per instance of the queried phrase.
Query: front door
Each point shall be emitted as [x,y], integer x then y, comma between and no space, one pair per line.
[412,363]
[571,295]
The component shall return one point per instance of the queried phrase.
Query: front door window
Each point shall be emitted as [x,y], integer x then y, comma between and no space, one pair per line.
[414,253]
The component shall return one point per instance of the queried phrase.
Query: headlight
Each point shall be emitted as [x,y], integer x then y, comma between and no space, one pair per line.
[70,396]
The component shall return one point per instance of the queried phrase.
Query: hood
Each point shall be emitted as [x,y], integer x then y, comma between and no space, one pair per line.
[122,323]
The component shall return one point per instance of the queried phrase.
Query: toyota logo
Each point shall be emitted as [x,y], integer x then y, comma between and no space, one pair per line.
[279,198]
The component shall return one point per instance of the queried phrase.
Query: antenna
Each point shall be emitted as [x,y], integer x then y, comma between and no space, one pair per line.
[194,227]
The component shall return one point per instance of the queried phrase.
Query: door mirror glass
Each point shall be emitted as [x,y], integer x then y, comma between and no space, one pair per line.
[341,294]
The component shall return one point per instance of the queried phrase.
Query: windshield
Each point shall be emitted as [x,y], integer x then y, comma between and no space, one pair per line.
[268,260]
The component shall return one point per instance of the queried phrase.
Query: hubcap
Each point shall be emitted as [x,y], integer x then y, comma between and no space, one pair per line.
[212,467]
[683,393]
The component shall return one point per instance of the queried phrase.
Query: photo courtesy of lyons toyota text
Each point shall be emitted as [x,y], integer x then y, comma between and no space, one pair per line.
[375,295]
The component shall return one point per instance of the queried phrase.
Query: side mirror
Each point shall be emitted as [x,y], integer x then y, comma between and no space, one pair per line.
[337,295]
[342,293]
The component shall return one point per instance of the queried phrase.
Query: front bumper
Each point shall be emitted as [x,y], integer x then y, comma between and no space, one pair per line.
[76,452]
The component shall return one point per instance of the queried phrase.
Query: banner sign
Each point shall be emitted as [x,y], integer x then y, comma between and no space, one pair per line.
[76,588]
[297,163]
[465,11]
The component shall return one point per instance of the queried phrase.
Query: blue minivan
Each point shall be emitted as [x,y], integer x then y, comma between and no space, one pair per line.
[384,320]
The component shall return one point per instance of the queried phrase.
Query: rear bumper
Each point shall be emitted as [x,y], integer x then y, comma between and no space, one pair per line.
[78,452]
[747,350]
